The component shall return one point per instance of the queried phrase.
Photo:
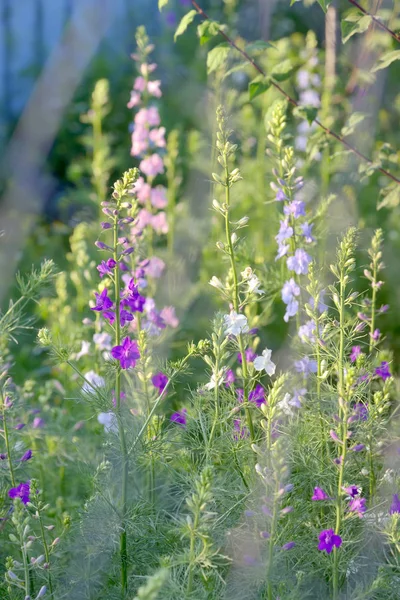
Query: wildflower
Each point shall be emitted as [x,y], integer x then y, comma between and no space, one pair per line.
[239,431]
[352,491]
[216,379]
[235,323]
[285,232]
[179,417]
[257,395]
[253,286]
[19,426]
[395,506]
[38,423]
[280,196]
[358,505]
[109,420]
[288,546]
[287,404]
[328,539]
[297,208]
[26,456]
[335,437]
[127,353]
[250,356]
[383,370]
[92,380]
[306,365]
[319,494]
[264,362]
[306,230]
[169,317]
[290,290]
[376,335]
[159,380]
[103,302]
[355,353]
[152,165]
[299,262]
[102,341]
[229,377]
[85,349]
[21,491]
[358,448]
[306,331]
[158,197]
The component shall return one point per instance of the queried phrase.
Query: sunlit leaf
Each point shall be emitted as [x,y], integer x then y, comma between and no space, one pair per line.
[185,22]
[217,56]
[386,60]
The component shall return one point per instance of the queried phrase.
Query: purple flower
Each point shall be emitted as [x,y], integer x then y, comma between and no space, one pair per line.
[290,290]
[124,317]
[38,423]
[103,302]
[358,448]
[159,380]
[283,249]
[306,365]
[306,331]
[21,491]
[103,268]
[26,456]
[306,230]
[288,546]
[297,208]
[257,395]
[299,262]
[352,490]
[3,456]
[319,494]
[19,426]
[384,308]
[360,411]
[334,436]
[383,370]
[230,377]
[291,310]
[358,505]
[285,232]
[328,539]
[127,353]
[395,506]
[280,196]
[376,335]
[179,417]
[250,356]
[355,353]
[239,431]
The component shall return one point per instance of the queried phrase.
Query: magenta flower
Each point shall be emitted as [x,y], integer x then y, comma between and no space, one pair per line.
[250,356]
[239,431]
[395,506]
[375,335]
[352,490]
[38,423]
[328,539]
[383,370]
[152,165]
[229,378]
[358,505]
[355,353]
[159,380]
[319,494]
[22,491]
[26,456]
[179,417]
[127,353]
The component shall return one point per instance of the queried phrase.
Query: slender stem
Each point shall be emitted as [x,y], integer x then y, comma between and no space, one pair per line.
[25,563]
[191,554]
[235,300]
[7,441]
[216,401]
[46,552]
[272,541]
[293,102]
[121,431]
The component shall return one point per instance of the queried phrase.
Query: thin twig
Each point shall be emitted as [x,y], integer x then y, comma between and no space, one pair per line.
[294,102]
[376,20]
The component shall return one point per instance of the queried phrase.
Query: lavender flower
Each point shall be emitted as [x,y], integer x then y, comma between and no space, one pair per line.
[22,491]
[355,353]
[319,494]
[159,380]
[383,370]
[127,354]
[358,505]
[179,417]
[299,262]
[395,506]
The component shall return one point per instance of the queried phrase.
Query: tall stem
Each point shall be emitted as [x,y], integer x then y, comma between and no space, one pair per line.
[235,300]
[121,431]
[46,553]
[272,541]
[7,441]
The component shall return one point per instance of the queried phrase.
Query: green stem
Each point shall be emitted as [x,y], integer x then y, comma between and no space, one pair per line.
[191,555]
[272,541]
[216,401]
[235,301]
[26,565]
[46,553]
[7,441]
[121,431]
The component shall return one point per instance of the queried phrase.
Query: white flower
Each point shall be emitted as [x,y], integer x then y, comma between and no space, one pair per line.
[109,420]
[254,285]
[84,350]
[287,404]
[103,341]
[247,273]
[235,323]
[217,283]
[264,362]
[94,379]
[216,381]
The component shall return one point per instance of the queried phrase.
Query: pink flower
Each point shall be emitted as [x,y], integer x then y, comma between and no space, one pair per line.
[140,141]
[153,87]
[142,190]
[169,316]
[159,197]
[146,69]
[134,99]
[152,165]
[157,137]
[155,267]
[144,218]
[153,117]
[159,223]
[140,84]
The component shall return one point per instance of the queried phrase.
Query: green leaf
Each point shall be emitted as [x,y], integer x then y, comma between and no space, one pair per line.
[283,70]
[306,112]
[217,56]
[207,30]
[353,120]
[352,25]
[391,200]
[258,46]
[386,60]
[258,86]
[324,4]
[162,3]
[185,22]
